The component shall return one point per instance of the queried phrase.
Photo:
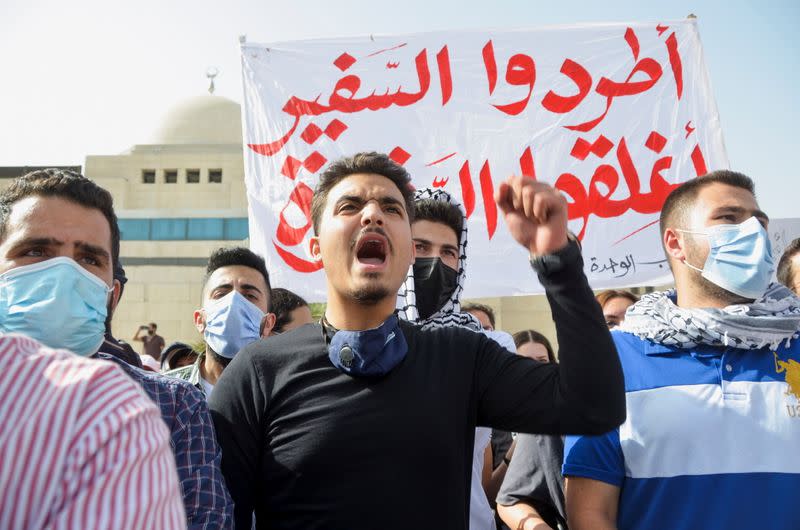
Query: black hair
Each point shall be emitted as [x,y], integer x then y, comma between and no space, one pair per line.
[229,256]
[376,163]
[63,184]
[440,212]
[284,302]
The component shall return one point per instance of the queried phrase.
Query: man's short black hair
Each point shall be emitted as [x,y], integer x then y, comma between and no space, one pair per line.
[376,163]
[469,308]
[62,184]
[440,212]
[229,256]
[786,272]
[681,200]
[284,302]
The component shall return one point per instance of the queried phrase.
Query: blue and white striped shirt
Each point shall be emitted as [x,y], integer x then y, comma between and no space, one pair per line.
[711,439]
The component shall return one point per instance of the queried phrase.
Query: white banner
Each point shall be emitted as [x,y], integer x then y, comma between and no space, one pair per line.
[613,115]
[781,233]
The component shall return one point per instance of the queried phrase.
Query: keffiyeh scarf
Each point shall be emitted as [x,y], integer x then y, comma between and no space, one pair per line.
[450,313]
[773,318]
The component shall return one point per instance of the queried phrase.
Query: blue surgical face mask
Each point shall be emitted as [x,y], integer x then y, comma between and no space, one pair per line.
[232,322]
[57,302]
[739,258]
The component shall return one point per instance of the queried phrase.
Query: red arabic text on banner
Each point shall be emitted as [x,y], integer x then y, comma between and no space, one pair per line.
[613,115]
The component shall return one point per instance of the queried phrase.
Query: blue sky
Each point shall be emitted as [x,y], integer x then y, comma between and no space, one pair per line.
[94,77]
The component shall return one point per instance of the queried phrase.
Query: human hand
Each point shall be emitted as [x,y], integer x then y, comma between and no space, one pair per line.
[535,213]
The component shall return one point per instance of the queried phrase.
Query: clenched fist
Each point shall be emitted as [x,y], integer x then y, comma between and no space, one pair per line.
[535,213]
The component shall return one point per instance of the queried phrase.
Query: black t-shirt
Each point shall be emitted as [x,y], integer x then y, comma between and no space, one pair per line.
[306,446]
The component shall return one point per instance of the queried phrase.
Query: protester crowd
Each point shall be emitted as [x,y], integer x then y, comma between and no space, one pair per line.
[400,407]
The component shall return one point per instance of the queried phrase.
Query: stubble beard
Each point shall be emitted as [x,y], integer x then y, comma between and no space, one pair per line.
[371,294]
[712,290]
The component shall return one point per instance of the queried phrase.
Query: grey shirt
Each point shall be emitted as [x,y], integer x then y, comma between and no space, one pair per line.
[534,477]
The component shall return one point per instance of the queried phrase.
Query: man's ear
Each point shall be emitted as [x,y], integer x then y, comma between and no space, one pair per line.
[674,244]
[200,320]
[314,248]
[267,323]
[115,294]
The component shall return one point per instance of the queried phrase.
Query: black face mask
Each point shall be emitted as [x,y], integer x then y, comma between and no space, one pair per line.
[434,284]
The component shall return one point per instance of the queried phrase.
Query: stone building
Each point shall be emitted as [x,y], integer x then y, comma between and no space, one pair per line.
[178,197]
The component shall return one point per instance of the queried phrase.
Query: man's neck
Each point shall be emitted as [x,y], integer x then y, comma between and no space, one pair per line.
[695,301]
[694,297]
[210,370]
[354,316]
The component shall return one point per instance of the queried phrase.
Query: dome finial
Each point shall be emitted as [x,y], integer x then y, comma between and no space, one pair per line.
[211,73]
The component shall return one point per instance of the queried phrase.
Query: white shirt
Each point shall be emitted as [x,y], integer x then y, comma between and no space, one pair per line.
[207,387]
[481,516]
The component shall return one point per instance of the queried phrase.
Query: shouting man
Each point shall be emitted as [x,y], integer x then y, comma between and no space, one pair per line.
[367,421]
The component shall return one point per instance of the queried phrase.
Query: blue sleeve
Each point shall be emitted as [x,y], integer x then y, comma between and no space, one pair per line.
[198,457]
[596,457]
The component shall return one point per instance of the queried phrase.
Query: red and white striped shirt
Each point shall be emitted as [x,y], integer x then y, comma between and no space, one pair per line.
[81,447]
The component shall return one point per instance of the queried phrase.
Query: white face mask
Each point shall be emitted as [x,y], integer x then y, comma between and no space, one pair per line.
[739,258]
[232,322]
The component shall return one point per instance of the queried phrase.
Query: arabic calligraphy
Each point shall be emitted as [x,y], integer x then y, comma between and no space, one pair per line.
[615,185]
[617,268]
[520,70]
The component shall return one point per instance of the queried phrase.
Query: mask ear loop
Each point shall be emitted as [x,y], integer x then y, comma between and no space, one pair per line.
[685,262]
[692,266]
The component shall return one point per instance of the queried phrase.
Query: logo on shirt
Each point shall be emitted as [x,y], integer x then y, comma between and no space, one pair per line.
[792,370]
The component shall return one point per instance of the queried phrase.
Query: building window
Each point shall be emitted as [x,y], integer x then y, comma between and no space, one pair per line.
[184,229]
[171,176]
[148,176]
[192,176]
[215,175]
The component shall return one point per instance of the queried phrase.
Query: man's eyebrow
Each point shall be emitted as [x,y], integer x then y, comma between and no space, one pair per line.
[250,287]
[383,201]
[391,200]
[350,198]
[738,209]
[93,249]
[421,240]
[229,286]
[450,247]
[38,241]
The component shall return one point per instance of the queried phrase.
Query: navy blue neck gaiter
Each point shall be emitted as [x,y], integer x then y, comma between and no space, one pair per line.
[369,353]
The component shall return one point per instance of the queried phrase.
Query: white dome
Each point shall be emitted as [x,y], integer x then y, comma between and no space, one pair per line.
[201,120]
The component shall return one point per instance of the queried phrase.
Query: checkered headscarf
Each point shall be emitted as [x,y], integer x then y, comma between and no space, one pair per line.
[450,313]
[770,320]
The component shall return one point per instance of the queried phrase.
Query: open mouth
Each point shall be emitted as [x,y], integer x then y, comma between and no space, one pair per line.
[371,249]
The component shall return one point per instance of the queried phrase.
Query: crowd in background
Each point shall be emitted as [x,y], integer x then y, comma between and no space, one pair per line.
[400,407]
